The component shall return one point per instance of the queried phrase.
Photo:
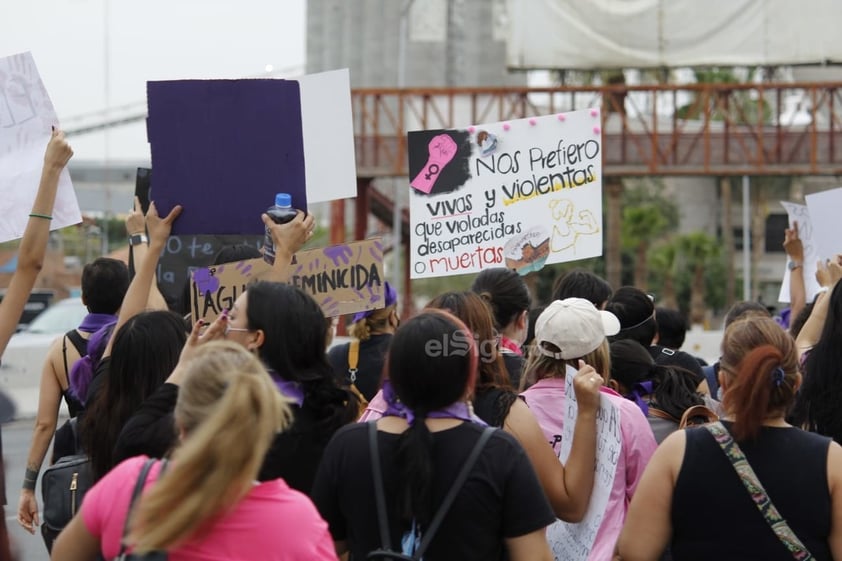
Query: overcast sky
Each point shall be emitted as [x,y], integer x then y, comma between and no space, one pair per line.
[146,40]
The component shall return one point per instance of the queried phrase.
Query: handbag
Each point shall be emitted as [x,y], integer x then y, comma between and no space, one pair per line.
[138,489]
[758,493]
[63,485]
[385,552]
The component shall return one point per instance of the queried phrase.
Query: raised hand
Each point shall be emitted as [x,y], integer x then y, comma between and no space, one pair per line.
[135,221]
[58,151]
[159,228]
[292,236]
[792,244]
[586,386]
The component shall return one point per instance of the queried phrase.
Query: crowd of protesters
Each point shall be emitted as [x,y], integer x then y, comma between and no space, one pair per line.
[440,436]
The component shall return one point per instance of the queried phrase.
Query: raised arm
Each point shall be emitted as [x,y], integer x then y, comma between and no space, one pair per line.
[795,254]
[136,230]
[138,293]
[33,245]
[288,239]
[568,487]
[828,275]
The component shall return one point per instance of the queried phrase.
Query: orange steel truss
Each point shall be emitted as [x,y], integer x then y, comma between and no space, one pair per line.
[699,129]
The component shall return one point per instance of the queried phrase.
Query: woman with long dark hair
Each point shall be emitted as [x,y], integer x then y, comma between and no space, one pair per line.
[662,392]
[419,455]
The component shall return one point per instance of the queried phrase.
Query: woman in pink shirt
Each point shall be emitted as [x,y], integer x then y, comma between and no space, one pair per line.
[566,332]
[207,504]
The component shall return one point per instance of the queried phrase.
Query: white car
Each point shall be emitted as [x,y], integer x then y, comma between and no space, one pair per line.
[21,363]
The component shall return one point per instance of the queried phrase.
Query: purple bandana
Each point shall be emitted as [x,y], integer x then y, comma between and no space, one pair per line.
[641,389]
[458,410]
[94,322]
[292,390]
[390,295]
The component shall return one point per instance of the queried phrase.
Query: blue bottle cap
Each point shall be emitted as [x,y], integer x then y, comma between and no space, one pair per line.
[283,200]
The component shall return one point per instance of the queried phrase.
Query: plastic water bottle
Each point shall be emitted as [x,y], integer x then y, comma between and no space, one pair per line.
[280,213]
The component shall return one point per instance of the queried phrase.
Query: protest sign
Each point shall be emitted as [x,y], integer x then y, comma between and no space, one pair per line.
[573,542]
[222,149]
[184,254]
[26,120]
[824,208]
[343,279]
[801,215]
[517,194]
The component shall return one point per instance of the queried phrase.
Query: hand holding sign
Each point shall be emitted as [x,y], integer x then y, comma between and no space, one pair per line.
[159,228]
[58,151]
[792,244]
[135,221]
[441,150]
[586,386]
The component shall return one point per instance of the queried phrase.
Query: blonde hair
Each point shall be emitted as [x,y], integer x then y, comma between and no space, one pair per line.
[539,366]
[230,411]
[377,321]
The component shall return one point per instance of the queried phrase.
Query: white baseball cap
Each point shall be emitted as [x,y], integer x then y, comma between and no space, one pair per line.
[575,326]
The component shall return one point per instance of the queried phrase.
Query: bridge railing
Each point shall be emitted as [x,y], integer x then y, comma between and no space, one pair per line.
[699,129]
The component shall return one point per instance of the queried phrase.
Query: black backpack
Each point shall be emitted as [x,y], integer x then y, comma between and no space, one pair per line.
[385,552]
[63,485]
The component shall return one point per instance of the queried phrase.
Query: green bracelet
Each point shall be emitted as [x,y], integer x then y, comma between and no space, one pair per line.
[36,215]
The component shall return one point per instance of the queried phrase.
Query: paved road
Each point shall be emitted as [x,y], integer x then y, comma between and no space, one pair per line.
[16,437]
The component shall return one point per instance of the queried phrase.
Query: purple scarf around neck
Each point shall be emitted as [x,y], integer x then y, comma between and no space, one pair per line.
[290,389]
[94,322]
[458,410]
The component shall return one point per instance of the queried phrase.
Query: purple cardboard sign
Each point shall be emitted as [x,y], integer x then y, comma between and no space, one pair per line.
[222,149]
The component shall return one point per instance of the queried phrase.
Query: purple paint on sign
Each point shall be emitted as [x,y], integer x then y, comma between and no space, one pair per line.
[222,149]
[205,281]
[338,253]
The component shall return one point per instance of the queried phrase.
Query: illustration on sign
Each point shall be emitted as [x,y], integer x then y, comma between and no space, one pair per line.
[519,194]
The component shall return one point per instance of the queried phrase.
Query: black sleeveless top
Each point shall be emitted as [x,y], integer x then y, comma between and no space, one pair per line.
[714,517]
[492,405]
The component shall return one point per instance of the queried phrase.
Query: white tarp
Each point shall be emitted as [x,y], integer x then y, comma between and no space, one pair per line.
[589,34]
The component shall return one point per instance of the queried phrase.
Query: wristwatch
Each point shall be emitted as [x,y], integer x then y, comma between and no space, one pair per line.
[137,239]
[792,265]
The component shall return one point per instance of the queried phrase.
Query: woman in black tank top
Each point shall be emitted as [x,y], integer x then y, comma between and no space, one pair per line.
[691,497]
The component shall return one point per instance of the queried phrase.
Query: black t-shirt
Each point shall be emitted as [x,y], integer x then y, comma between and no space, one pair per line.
[500,499]
[714,517]
[668,357]
[294,454]
[369,367]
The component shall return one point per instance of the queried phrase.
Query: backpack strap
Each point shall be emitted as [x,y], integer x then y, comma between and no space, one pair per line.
[438,518]
[661,414]
[702,411]
[353,359]
[758,493]
[454,490]
[79,343]
[138,489]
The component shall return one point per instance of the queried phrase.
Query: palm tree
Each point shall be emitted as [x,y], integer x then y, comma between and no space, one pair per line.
[697,248]
[642,225]
[662,260]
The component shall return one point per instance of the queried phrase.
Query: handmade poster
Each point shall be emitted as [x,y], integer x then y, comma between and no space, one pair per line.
[343,279]
[330,164]
[573,542]
[801,215]
[518,194]
[184,254]
[827,228]
[222,149]
[26,120]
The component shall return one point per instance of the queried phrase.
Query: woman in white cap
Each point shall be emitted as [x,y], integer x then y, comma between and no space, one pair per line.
[567,332]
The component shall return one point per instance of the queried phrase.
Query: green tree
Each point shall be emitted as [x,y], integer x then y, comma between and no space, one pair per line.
[662,262]
[698,249]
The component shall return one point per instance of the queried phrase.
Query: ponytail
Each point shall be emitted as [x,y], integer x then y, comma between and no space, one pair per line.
[413,460]
[760,387]
[230,411]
